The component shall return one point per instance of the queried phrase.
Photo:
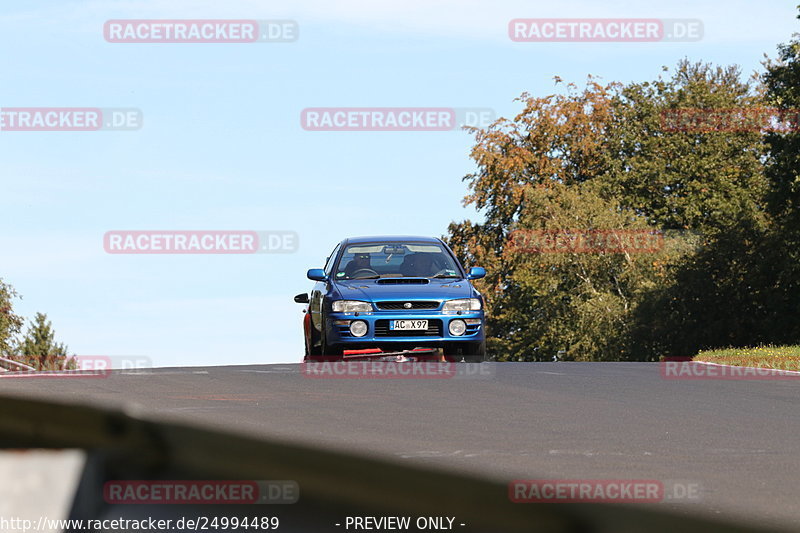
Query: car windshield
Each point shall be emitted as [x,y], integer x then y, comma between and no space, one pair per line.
[396,260]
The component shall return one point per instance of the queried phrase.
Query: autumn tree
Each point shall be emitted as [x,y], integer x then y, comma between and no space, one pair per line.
[556,139]
[602,159]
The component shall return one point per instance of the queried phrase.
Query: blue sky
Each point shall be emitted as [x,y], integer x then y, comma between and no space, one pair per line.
[222,148]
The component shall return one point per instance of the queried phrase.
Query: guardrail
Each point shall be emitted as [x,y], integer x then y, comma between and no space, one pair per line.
[14,363]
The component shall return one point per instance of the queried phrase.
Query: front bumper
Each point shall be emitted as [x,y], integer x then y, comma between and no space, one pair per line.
[378,332]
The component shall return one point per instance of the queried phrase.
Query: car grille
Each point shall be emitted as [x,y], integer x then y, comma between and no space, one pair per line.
[392,306]
[434,330]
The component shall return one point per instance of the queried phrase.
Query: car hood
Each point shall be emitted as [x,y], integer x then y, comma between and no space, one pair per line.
[437,289]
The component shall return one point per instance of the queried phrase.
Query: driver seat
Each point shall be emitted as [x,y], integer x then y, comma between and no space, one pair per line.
[407,266]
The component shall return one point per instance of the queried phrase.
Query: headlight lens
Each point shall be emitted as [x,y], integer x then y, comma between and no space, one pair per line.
[457,327]
[351,306]
[462,304]
[358,328]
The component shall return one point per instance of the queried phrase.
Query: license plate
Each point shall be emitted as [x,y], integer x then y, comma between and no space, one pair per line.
[407,325]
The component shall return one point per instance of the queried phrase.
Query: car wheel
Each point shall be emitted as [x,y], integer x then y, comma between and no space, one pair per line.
[326,350]
[311,348]
[473,352]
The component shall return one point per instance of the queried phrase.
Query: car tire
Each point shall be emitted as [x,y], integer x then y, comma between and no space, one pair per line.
[473,352]
[311,348]
[325,349]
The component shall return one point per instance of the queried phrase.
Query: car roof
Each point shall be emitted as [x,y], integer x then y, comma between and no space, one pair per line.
[389,238]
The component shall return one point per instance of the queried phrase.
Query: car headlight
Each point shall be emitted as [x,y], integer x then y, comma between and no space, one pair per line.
[462,304]
[351,306]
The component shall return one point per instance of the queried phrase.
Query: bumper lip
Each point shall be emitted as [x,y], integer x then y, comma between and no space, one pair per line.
[333,335]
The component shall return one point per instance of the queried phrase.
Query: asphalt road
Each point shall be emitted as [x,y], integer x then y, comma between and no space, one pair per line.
[737,443]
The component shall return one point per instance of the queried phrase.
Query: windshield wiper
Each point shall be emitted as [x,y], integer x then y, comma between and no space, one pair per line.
[448,276]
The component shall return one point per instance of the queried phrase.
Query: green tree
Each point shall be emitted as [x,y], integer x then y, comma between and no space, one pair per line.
[679,177]
[10,323]
[782,81]
[722,295]
[39,349]
[743,288]
[580,301]
[708,181]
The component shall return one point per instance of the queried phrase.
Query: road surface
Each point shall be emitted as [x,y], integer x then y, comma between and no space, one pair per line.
[735,442]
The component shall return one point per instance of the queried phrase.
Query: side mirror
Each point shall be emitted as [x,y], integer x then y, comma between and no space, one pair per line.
[316,274]
[476,273]
[301,298]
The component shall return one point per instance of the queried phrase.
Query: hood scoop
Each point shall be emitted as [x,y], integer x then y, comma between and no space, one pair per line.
[403,281]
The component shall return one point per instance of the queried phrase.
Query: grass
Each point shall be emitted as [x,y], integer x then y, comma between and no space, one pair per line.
[778,357]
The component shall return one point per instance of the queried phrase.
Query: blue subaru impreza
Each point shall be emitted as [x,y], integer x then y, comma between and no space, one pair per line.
[394,294]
